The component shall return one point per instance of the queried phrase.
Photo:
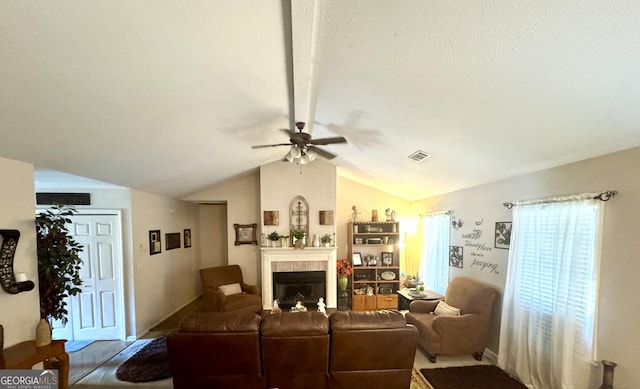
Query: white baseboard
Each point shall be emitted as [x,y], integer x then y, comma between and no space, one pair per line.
[491,356]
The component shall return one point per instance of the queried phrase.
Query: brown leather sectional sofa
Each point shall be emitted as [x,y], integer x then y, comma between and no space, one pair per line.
[306,350]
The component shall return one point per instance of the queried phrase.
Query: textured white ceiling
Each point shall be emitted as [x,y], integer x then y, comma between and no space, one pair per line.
[168,97]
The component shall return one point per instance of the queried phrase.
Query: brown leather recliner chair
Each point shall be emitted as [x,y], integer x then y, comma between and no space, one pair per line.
[216,350]
[216,301]
[371,349]
[455,335]
[295,350]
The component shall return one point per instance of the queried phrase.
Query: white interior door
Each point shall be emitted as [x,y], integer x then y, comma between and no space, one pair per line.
[97,313]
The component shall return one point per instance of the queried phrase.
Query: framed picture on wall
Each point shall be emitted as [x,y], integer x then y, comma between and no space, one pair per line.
[172,240]
[187,238]
[245,234]
[503,235]
[456,256]
[387,258]
[155,242]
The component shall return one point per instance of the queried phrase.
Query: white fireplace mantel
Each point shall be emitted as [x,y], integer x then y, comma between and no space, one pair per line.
[279,259]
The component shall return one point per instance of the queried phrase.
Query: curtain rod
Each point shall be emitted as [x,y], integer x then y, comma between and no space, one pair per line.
[603,196]
[449,212]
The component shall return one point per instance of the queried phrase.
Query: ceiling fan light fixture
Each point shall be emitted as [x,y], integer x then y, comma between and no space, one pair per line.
[312,155]
[295,152]
[289,157]
[304,159]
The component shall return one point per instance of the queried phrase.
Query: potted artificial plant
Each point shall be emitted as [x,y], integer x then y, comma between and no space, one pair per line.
[298,238]
[273,237]
[58,265]
[326,240]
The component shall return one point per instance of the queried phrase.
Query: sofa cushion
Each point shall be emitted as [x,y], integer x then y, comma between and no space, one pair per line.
[445,309]
[230,289]
[367,320]
[295,324]
[221,322]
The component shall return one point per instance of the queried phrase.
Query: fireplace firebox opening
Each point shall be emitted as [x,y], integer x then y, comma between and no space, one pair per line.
[288,286]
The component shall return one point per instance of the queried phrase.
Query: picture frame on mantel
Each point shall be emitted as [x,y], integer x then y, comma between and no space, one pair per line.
[245,234]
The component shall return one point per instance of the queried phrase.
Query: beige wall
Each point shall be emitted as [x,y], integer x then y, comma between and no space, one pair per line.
[366,199]
[164,282]
[619,310]
[213,235]
[242,196]
[19,313]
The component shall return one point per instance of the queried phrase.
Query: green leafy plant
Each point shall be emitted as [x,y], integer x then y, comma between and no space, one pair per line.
[58,261]
[326,238]
[274,236]
[298,234]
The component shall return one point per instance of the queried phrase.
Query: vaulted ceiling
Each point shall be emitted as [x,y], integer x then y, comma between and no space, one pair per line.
[168,97]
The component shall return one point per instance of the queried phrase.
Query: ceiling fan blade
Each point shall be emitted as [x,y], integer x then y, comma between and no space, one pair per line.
[328,141]
[323,153]
[276,145]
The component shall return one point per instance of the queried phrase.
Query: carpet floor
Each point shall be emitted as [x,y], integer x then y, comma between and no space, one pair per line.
[470,377]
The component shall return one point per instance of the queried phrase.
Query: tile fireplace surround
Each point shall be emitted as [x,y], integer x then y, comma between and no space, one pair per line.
[298,260]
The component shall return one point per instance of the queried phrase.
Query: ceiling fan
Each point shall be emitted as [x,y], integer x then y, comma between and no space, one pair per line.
[303,147]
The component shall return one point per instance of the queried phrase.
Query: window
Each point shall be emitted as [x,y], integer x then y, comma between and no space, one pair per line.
[434,264]
[548,317]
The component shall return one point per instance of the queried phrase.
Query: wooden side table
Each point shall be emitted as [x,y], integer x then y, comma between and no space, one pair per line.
[404,298]
[24,355]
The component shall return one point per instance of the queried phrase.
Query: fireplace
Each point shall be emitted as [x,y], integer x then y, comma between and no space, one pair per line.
[307,286]
[313,260]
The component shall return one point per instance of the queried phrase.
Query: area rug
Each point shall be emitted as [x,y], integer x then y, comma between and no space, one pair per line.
[151,363]
[470,377]
[76,345]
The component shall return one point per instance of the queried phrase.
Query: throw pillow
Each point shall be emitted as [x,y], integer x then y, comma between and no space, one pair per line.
[445,309]
[230,289]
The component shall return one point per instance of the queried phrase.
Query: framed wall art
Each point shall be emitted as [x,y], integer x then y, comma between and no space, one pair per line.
[172,240]
[503,235]
[271,218]
[326,218]
[245,234]
[456,256]
[187,238]
[155,242]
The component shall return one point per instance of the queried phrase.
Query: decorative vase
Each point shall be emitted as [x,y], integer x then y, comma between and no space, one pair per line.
[316,241]
[342,282]
[607,374]
[43,333]
[284,242]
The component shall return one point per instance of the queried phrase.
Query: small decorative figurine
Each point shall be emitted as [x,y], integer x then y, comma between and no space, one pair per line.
[322,307]
[275,308]
[355,215]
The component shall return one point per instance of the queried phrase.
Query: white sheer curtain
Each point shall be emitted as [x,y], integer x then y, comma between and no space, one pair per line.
[434,264]
[548,316]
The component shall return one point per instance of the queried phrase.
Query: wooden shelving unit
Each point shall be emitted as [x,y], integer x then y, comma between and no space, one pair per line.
[374,286]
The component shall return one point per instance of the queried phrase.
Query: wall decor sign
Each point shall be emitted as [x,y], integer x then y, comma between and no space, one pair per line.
[271,218]
[172,240]
[503,235]
[187,238]
[245,234]
[387,258]
[155,243]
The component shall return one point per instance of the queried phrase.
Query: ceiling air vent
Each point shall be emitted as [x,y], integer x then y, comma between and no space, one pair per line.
[419,156]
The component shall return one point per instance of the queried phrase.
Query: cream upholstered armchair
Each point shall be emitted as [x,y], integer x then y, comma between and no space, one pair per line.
[224,290]
[442,331]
